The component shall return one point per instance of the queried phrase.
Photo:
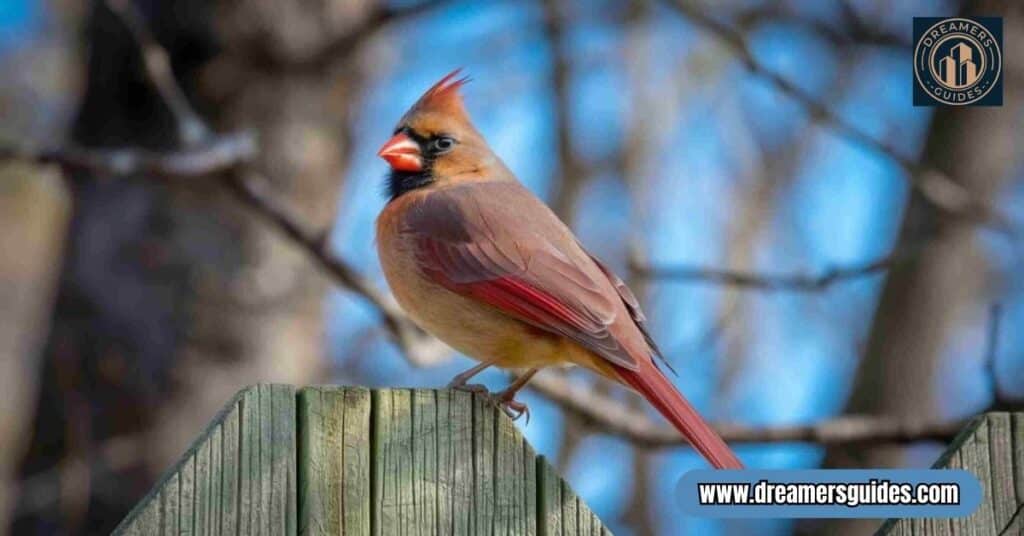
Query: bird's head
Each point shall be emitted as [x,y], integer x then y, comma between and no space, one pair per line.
[435,142]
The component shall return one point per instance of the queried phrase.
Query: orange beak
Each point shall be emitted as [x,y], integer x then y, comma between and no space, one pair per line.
[402,153]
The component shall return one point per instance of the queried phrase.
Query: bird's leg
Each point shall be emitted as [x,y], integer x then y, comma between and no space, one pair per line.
[506,398]
[460,381]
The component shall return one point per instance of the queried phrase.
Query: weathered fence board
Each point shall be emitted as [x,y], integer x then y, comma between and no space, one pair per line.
[237,478]
[334,461]
[455,476]
[351,461]
[561,511]
[992,448]
[449,460]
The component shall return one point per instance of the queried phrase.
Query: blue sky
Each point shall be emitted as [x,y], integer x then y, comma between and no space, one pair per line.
[17,20]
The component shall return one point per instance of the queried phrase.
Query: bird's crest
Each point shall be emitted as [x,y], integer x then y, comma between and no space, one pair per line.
[444,96]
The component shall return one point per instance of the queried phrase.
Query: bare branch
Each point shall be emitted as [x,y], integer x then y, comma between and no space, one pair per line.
[613,417]
[616,418]
[849,30]
[212,155]
[756,281]
[343,47]
[227,154]
[191,129]
[934,185]
[253,189]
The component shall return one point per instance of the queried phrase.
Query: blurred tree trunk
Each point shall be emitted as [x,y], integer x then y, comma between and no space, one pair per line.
[173,295]
[926,300]
[34,211]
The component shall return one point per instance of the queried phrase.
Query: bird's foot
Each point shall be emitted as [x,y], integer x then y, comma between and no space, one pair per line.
[461,380]
[477,388]
[510,406]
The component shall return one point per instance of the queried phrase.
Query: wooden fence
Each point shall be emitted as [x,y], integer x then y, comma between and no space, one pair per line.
[348,460]
[992,448]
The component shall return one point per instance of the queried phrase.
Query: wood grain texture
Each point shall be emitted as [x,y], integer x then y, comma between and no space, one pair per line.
[560,511]
[334,461]
[515,484]
[350,461]
[425,459]
[454,449]
[992,448]
[238,477]
[449,462]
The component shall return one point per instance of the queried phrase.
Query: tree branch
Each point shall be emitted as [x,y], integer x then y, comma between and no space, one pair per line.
[343,47]
[756,281]
[850,30]
[934,185]
[613,417]
[191,128]
[252,189]
[216,153]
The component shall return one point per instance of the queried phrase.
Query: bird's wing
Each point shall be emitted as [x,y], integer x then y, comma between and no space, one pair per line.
[633,306]
[496,243]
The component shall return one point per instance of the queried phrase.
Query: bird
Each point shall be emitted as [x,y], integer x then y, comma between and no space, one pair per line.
[476,259]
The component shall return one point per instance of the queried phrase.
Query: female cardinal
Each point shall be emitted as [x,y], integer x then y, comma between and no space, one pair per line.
[476,259]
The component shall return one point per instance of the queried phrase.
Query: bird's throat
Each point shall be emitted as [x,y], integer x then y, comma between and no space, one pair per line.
[401,182]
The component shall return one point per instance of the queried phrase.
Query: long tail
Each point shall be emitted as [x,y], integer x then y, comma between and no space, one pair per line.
[659,391]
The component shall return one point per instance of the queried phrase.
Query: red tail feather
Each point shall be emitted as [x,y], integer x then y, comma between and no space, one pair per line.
[659,391]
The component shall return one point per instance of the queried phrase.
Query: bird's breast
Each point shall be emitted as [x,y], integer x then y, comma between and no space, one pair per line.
[471,327]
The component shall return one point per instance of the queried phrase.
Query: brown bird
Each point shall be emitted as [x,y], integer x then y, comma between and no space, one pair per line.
[477,260]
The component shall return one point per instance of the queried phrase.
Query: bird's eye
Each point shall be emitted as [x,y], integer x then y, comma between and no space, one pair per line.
[441,145]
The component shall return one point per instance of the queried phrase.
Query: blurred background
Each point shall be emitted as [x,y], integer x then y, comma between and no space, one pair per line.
[807,244]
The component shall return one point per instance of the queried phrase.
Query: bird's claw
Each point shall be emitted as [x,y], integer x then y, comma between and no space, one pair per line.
[511,407]
[477,388]
[505,400]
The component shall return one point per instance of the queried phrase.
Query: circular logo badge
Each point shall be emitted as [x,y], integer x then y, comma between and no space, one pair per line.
[957,61]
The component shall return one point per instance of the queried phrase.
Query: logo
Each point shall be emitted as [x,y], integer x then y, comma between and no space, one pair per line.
[958,61]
